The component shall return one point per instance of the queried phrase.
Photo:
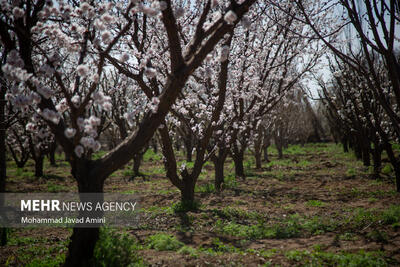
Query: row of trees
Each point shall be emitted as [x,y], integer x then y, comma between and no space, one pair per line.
[218,77]
[362,96]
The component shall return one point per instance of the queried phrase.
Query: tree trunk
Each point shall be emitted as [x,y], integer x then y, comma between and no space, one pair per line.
[257,155]
[52,153]
[345,144]
[3,162]
[154,146]
[83,240]
[39,166]
[238,159]
[187,191]
[266,159]
[189,149]
[137,160]
[397,173]
[278,144]
[366,153]
[395,163]
[219,174]
[377,159]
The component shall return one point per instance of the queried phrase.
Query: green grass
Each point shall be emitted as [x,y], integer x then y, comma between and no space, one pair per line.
[315,203]
[151,156]
[341,259]
[54,188]
[205,188]
[116,249]
[163,242]
[35,251]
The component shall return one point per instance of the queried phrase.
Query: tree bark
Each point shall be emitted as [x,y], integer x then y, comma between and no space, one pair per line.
[189,149]
[266,159]
[83,240]
[377,159]
[278,144]
[137,160]
[3,162]
[345,144]
[258,147]
[366,147]
[52,153]
[39,160]
[395,163]
[238,159]
[219,175]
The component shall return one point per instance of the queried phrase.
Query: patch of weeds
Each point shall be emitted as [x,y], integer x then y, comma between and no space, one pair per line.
[378,236]
[234,213]
[155,170]
[303,163]
[47,261]
[318,225]
[387,169]
[36,252]
[280,162]
[266,254]
[288,227]
[391,215]
[115,249]
[185,206]
[348,237]
[351,172]
[127,173]
[362,217]
[19,171]
[289,207]
[315,203]
[355,192]
[151,156]
[54,188]
[219,246]
[167,192]
[230,181]
[321,258]
[296,255]
[164,242]
[159,210]
[208,188]
[186,250]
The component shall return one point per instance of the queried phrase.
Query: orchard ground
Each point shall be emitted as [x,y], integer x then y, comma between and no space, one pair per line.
[316,206]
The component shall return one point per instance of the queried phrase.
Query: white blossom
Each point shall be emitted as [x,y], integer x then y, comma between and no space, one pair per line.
[78,151]
[82,70]
[230,17]
[69,132]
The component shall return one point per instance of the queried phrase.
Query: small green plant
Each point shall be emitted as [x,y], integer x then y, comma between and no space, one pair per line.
[219,246]
[230,181]
[206,188]
[351,172]
[163,242]
[378,236]
[321,258]
[348,237]
[387,169]
[185,206]
[391,215]
[127,173]
[186,250]
[315,203]
[115,249]
[54,188]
